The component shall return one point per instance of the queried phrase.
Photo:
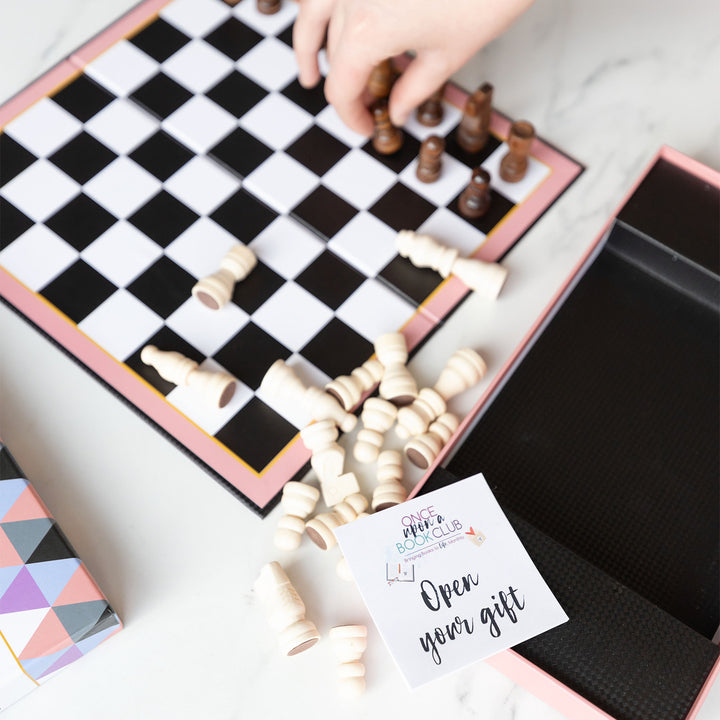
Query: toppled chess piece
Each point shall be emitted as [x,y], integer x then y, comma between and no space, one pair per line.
[430,159]
[390,490]
[474,127]
[397,384]
[514,164]
[348,389]
[349,642]
[321,529]
[216,388]
[475,198]
[430,112]
[298,501]
[423,450]
[215,290]
[387,139]
[377,417]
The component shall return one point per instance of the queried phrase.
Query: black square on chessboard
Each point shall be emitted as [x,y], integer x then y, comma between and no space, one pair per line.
[287,35]
[13,223]
[164,339]
[243,216]
[237,93]
[78,290]
[161,96]
[317,150]
[14,158]
[233,38]
[256,433]
[250,353]
[402,209]
[472,160]
[240,152]
[324,212]
[412,282]
[81,221]
[161,155]
[82,158]
[311,99]
[500,206]
[83,98]
[399,160]
[163,287]
[337,349]
[160,40]
[330,279]
[257,287]
[163,218]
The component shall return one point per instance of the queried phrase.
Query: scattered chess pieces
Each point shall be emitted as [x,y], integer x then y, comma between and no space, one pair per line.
[216,290]
[474,127]
[285,610]
[464,369]
[475,198]
[321,528]
[397,384]
[348,389]
[423,251]
[430,112]
[281,381]
[423,450]
[216,388]
[268,7]
[349,642]
[390,490]
[298,501]
[430,159]
[387,139]
[377,417]
[381,79]
[513,165]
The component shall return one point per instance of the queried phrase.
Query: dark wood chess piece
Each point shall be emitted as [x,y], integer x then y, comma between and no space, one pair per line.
[430,112]
[381,79]
[387,139]
[474,127]
[475,199]
[430,159]
[268,7]
[514,164]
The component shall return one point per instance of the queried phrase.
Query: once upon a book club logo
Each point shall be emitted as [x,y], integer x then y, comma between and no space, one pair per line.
[426,530]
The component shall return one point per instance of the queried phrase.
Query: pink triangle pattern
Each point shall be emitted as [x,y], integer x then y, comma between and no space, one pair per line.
[8,553]
[50,637]
[27,507]
[80,588]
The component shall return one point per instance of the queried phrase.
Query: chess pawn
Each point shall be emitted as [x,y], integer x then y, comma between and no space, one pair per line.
[321,529]
[415,419]
[216,388]
[514,164]
[377,418]
[430,159]
[268,7]
[389,491]
[348,389]
[474,127]
[298,501]
[430,112]
[381,79]
[215,290]
[285,610]
[475,199]
[349,642]
[327,458]
[423,450]
[387,139]
[397,384]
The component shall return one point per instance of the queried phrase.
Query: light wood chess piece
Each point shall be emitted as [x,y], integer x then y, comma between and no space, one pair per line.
[298,501]
[321,529]
[397,384]
[390,490]
[423,450]
[349,389]
[377,417]
[215,290]
[349,642]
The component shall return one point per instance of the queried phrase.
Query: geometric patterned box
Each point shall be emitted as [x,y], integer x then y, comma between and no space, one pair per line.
[51,610]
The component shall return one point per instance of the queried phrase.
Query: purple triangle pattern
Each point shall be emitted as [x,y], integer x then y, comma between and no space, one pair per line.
[70,656]
[23,594]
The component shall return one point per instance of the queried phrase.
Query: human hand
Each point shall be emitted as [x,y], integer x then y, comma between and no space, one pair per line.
[361,33]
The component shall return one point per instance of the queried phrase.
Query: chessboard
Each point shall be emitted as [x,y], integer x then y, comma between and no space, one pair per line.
[131,168]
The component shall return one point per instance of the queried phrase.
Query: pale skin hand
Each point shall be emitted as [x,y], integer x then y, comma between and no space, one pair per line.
[444,34]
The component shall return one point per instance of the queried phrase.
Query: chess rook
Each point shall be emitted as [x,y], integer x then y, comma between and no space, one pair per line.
[430,159]
[387,139]
[216,290]
[268,7]
[349,389]
[397,384]
[215,388]
[377,418]
[430,112]
[474,127]
[285,610]
[298,501]
[321,529]
[513,165]
[381,79]
[349,642]
[424,449]
[475,198]
[390,490]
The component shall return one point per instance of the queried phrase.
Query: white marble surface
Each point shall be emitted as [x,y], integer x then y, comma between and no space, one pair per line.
[606,82]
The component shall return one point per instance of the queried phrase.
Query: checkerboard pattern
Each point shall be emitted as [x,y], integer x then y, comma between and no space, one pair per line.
[122,189]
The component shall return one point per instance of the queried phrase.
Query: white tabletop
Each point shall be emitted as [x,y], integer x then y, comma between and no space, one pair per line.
[175,553]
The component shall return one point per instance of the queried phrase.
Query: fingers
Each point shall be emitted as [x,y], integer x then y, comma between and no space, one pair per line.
[308,36]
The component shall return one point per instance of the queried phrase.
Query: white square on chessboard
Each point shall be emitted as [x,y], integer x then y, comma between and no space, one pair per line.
[454,178]
[198,66]
[451,230]
[329,120]
[286,247]
[122,187]
[121,253]
[271,63]
[121,324]
[40,190]
[373,309]
[281,182]
[207,330]
[276,121]
[123,68]
[451,117]
[267,24]
[209,418]
[122,126]
[200,249]
[292,315]
[519,191]
[195,18]
[37,257]
[202,185]
[44,127]
[365,243]
[359,178]
[199,123]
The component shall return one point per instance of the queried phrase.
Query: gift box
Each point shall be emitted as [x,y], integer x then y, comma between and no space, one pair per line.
[51,611]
